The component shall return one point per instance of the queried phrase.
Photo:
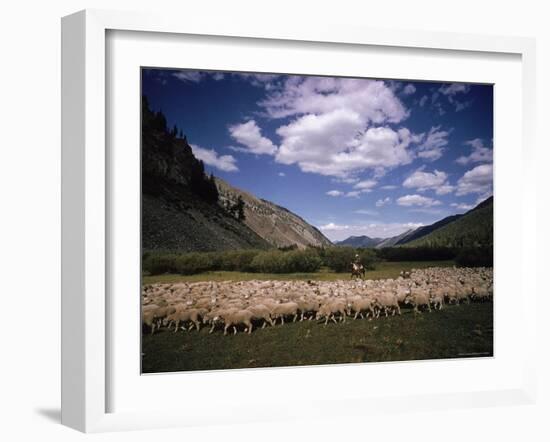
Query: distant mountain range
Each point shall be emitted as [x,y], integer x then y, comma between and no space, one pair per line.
[184,209]
[473,228]
[360,241]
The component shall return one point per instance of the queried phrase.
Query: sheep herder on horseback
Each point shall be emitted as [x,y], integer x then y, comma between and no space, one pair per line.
[357,268]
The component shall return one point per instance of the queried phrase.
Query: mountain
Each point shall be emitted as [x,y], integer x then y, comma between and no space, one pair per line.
[390,242]
[277,225]
[360,241]
[472,229]
[184,209]
[425,230]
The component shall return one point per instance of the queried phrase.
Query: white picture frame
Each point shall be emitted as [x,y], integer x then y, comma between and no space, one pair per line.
[86,209]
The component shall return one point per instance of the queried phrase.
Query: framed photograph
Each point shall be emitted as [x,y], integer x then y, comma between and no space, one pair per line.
[257,209]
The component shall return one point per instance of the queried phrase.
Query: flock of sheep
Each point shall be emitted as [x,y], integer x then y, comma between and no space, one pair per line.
[242,305]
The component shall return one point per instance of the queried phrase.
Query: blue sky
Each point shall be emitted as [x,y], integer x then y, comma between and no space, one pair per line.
[351,156]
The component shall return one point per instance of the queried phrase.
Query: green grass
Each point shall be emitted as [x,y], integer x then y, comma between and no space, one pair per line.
[456,331]
[383,270]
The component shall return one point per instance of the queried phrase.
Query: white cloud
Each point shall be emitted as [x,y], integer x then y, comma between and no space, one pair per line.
[334,193]
[383,202]
[259,80]
[332,226]
[249,135]
[477,180]
[433,144]
[332,144]
[346,180]
[417,200]
[480,153]
[197,76]
[353,194]
[366,212]
[188,76]
[338,232]
[423,100]
[227,163]
[454,89]
[389,187]
[331,131]
[365,185]
[428,210]
[373,100]
[409,89]
[444,189]
[436,180]
[281,174]
[462,206]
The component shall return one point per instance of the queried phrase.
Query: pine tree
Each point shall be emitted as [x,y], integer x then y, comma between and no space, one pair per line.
[239,208]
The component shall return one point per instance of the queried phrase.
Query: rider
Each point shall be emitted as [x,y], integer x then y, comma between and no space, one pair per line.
[357,262]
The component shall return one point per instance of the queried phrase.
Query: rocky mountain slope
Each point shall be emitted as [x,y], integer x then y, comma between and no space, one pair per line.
[277,225]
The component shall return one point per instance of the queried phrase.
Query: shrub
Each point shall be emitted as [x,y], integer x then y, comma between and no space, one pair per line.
[276,261]
[237,260]
[191,263]
[156,264]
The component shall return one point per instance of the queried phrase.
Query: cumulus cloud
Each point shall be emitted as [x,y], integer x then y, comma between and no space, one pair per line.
[346,180]
[197,76]
[480,153]
[383,202]
[409,89]
[477,180]
[365,185]
[373,100]
[227,163]
[334,193]
[388,187]
[188,76]
[417,200]
[332,129]
[249,135]
[332,144]
[452,90]
[281,174]
[333,226]
[338,232]
[353,194]
[423,100]
[259,80]
[436,180]
[433,144]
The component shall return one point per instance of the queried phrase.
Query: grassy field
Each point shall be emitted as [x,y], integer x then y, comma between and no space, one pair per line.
[383,270]
[456,331]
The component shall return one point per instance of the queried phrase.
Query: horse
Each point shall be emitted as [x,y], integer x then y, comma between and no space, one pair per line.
[357,270]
